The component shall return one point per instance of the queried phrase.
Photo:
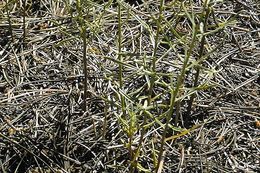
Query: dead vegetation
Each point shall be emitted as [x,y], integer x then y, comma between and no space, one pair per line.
[43,123]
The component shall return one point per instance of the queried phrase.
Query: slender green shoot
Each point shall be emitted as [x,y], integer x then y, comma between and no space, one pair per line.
[175,91]
[82,29]
[203,28]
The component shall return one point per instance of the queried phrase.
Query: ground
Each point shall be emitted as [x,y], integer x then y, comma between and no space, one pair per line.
[133,68]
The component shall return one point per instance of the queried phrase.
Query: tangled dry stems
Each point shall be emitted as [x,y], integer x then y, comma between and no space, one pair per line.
[42,122]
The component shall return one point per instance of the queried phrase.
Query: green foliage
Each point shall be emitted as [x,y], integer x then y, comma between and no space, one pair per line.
[144,108]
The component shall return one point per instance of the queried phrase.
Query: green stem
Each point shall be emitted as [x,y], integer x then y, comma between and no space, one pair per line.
[120,58]
[174,93]
[121,80]
[83,33]
[155,52]
[201,53]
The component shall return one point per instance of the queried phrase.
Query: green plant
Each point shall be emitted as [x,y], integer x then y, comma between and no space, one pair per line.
[143,108]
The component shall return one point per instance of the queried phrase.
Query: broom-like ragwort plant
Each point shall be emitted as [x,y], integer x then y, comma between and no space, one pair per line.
[158,102]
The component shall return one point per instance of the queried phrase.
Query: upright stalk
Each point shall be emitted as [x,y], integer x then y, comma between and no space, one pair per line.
[153,76]
[201,53]
[174,93]
[121,85]
[155,51]
[85,63]
[120,58]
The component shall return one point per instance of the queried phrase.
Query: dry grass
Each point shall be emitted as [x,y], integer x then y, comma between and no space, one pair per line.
[137,84]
